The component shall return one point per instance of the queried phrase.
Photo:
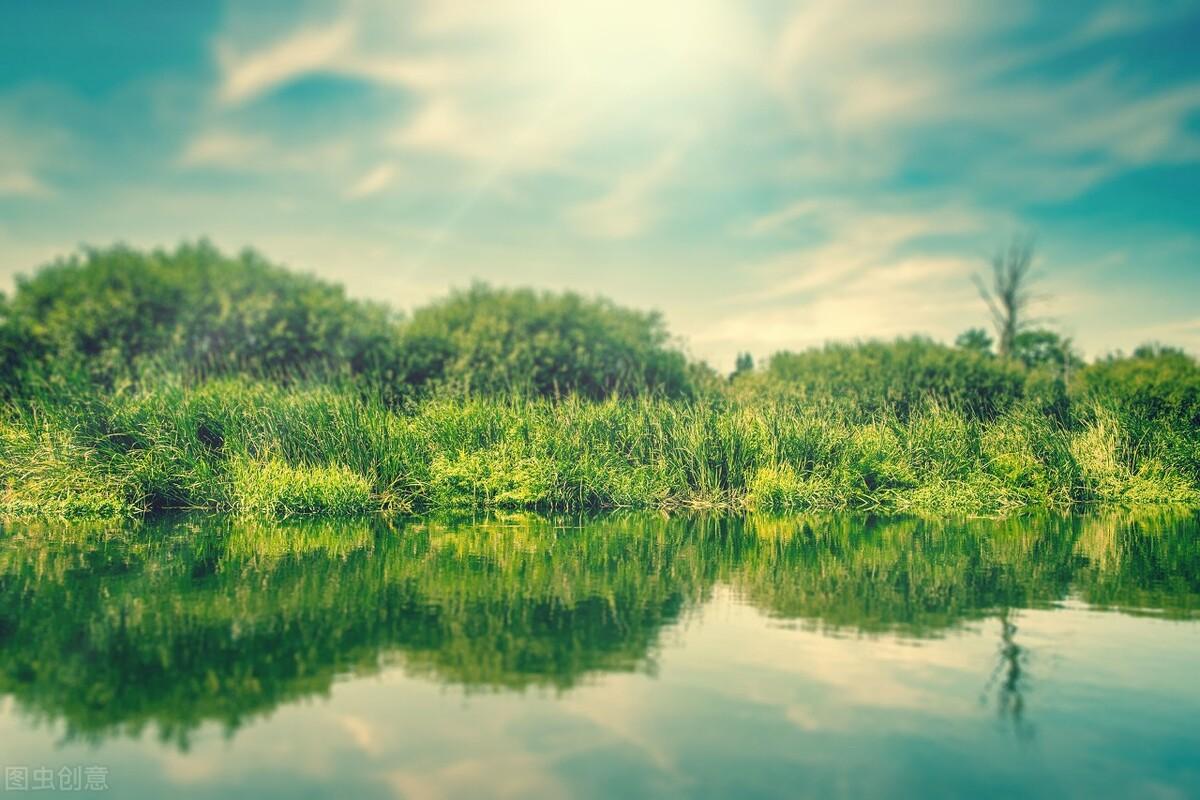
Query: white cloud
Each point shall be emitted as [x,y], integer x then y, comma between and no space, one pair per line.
[29,151]
[224,149]
[854,65]
[512,137]
[866,274]
[337,47]
[307,50]
[854,239]
[865,82]
[928,294]
[630,206]
[21,183]
[373,181]
[233,150]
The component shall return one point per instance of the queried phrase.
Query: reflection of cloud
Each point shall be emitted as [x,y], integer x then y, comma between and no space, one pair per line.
[620,708]
[361,732]
[514,775]
[184,768]
[815,676]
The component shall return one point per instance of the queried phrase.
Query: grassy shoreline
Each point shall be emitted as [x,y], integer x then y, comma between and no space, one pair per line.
[253,447]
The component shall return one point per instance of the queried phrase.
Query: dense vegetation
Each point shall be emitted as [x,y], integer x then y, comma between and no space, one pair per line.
[143,381]
[898,376]
[116,313]
[120,315]
[487,341]
[234,445]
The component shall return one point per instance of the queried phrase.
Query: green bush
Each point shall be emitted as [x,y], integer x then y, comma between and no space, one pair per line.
[114,311]
[517,341]
[20,354]
[1155,382]
[901,376]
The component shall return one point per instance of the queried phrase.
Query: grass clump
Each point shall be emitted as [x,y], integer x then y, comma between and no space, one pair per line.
[274,487]
[263,448]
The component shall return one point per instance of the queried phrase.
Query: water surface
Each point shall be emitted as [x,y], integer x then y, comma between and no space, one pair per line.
[607,657]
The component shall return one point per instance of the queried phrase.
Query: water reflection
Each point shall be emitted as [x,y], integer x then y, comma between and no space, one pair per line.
[170,624]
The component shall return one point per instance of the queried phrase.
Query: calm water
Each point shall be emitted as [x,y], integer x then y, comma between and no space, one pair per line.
[616,657]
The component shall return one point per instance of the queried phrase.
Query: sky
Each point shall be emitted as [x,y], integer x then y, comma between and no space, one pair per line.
[769,175]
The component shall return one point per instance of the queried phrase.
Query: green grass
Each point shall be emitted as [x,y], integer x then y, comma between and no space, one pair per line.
[259,448]
[277,488]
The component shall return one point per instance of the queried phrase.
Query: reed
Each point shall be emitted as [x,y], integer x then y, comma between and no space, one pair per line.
[239,445]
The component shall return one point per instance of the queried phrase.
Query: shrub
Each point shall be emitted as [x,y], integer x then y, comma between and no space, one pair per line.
[116,310]
[1157,383]
[900,376]
[517,341]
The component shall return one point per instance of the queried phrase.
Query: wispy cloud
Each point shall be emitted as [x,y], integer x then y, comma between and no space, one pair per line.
[308,50]
[631,205]
[20,183]
[243,152]
[335,48]
[29,151]
[375,180]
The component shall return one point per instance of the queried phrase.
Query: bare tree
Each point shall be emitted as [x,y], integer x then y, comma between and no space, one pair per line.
[1008,298]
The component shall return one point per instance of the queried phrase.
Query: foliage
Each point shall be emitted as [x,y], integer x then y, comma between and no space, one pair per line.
[743,365]
[261,447]
[1161,384]
[976,340]
[1039,348]
[274,487]
[114,311]
[517,341]
[899,376]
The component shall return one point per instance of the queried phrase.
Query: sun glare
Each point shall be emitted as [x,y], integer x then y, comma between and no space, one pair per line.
[627,51]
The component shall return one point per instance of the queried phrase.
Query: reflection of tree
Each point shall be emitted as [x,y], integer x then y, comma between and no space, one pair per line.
[1010,677]
[188,621]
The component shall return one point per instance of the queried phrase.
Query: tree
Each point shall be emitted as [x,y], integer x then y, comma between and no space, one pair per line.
[517,341]
[1008,298]
[743,365]
[976,340]
[1041,348]
[113,311]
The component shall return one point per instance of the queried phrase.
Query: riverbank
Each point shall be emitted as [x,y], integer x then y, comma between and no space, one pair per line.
[260,448]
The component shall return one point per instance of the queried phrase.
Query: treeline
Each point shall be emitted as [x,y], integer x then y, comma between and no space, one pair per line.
[139,381]
[116,317]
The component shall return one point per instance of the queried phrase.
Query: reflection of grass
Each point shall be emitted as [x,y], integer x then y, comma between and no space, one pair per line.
[261,448]
[177,621]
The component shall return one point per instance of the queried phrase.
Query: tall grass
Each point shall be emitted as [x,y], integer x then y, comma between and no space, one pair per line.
[257,447]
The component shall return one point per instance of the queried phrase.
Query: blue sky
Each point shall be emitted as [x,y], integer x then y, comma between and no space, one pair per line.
[767,174]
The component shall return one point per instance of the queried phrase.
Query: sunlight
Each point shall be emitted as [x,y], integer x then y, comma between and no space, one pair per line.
[625,51]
